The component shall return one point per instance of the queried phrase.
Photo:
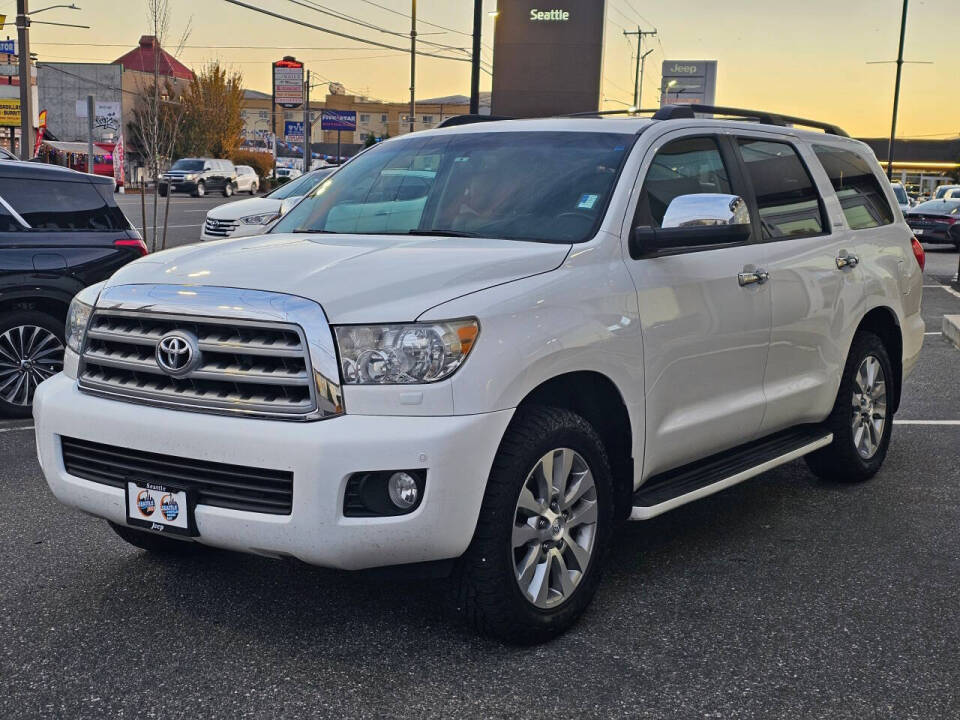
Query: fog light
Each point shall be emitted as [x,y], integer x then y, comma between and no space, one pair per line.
[403,490]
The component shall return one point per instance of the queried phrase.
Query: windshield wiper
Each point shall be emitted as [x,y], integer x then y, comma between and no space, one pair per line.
[442,233]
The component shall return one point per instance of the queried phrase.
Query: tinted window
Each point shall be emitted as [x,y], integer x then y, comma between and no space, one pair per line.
[682,167]
[900,194]
[787,200]
[59,205]
[7,222]
[188,164]
[549,186]
[858,189]
[938,207]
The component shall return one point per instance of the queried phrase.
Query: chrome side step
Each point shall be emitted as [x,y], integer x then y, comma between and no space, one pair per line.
[674,488]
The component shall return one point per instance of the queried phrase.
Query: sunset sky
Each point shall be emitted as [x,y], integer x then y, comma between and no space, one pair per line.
[800,57]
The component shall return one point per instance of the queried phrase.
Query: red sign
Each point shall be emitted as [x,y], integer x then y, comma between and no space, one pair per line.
[288,83]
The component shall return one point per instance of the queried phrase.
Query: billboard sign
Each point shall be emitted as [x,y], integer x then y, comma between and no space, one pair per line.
[10,112]
[689,82]
[8,47]
[338,120]
[106,115]
[293,131]
[288,83]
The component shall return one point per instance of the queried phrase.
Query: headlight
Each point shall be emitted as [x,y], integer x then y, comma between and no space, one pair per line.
[263,219]
[404,354]
[77,318]
[191,176]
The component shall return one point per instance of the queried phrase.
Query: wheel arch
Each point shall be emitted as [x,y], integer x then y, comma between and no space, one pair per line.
[596,398]
[883,322]
[54,305]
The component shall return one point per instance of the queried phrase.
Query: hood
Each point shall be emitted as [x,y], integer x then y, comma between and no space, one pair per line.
[356,278]
[243,208]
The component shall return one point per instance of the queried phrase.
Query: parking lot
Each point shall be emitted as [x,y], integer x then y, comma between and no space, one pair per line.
[185,218]
[780,597]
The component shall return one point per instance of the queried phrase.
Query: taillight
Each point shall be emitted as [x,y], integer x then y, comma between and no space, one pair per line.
[138,244]
[918,252]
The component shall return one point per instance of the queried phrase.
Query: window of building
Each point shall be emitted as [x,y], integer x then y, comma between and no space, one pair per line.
[58,205]
[383,118]
[682,167]
[858,189]
[787,199]
[427,119]
[364,118]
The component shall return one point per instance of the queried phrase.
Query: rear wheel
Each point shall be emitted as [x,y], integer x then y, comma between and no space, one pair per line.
[254,188]
[156,543]
[31,350]
[535,560]
[861,420]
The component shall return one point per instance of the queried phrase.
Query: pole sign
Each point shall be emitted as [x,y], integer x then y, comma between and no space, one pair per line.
[8,47]
[288,83]
[293,131]
[688,82]
[338,120]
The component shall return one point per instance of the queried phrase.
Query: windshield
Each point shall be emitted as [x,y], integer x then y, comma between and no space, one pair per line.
[938,207]
[185,164]
[942,190]
[301,186]
[900,194]
[546,186]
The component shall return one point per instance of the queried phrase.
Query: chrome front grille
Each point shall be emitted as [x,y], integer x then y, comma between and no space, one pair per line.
[220,228]
[241,366]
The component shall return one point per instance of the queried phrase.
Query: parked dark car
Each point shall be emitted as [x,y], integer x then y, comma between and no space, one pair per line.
[936,221]
[199,176]
[60,231]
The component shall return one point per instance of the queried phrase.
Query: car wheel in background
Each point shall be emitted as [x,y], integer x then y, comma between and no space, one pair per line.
[535,559]
[162,190]
[254,188]
[228,190]
[861,420]
[201,190]
[31,350]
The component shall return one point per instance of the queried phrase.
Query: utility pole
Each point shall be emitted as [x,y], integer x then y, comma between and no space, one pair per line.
[896,89]
[26,90]
[475,60]
[91,109]
[640,56]
[307,155]
[413,62]
[643,62]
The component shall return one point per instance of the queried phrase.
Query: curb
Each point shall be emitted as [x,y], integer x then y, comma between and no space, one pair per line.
[951,328]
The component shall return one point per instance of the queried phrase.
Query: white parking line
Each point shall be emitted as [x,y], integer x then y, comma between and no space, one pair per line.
[926,422]
[14,429]
[933,333]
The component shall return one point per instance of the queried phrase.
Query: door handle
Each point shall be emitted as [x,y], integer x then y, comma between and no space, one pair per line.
[845,259]
[753,277]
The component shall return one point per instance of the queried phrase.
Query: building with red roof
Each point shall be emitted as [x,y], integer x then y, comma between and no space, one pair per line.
[149,54]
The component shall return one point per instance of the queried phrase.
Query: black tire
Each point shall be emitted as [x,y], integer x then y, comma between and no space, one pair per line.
[840,461]
[201,190]
[156,543]
[10,322]
[228,190]
[162,190]
[254,187]
[483,587]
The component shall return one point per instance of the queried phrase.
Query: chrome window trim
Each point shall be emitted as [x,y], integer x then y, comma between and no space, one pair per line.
[225,305]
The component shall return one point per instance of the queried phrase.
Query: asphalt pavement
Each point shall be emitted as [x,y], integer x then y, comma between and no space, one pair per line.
[782,597]
[185,215]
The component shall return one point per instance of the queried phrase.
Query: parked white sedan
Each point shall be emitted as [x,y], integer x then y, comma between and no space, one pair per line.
[252,216]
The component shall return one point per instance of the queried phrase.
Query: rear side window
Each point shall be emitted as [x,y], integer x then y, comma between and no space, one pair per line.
[787,199]
[63,206]
[858,188]
[683,167]
[8,223]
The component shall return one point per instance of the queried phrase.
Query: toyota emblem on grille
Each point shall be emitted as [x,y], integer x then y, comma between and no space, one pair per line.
[178,353]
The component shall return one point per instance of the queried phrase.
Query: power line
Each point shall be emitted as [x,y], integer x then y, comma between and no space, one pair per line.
[341,34]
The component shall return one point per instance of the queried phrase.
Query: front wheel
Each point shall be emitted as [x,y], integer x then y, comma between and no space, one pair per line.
[200,191]
[228,190]
[861,420]
[535,560]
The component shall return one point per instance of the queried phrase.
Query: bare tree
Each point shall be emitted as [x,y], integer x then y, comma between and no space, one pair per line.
[158,113]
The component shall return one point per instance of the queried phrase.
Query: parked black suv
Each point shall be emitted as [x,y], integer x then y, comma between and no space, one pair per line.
[60,231]
[198,176]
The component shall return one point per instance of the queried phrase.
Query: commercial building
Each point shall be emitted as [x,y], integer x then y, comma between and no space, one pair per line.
[921,165]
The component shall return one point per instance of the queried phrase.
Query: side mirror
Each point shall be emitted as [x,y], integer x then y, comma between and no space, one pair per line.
[695,220]
[288,203]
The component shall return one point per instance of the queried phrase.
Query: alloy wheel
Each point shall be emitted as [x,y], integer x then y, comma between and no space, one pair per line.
[29,354]
[554,528]
[869,412]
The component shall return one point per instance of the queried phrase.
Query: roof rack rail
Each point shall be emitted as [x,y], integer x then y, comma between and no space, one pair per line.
[673,112]
[470,120]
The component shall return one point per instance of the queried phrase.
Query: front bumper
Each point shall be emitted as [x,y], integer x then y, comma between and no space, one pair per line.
[457,452]
[242,230]
[188,186]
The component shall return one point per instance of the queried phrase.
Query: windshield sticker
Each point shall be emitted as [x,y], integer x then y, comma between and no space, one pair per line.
[587,201]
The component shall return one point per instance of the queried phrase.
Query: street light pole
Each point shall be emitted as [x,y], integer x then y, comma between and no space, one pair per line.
[475,60]
[413,62]
[896,89]
[26,91]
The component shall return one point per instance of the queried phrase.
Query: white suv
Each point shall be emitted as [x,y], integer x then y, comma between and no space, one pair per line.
[481,347]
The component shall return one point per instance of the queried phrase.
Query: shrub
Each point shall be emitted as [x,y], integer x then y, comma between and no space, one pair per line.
[262,163]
